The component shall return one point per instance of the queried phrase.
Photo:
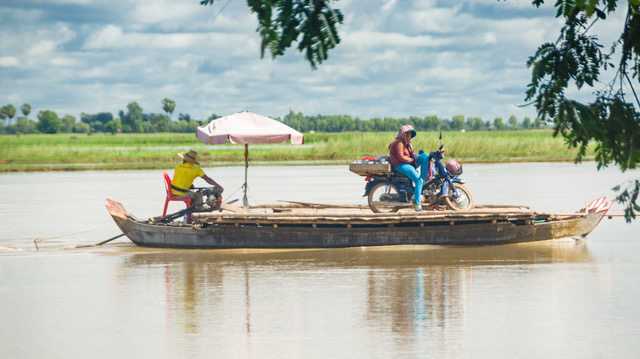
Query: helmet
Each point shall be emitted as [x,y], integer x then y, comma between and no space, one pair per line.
[454,168]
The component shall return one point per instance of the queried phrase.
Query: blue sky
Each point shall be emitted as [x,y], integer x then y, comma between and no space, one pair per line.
[397,58]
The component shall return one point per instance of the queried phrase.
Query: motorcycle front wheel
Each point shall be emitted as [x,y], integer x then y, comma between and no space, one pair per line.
[383,198]
[464,202]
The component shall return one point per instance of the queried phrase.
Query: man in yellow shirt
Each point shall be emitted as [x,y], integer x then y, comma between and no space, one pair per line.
[184,175]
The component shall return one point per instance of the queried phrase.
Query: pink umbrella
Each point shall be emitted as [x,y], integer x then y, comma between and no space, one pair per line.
[247,127]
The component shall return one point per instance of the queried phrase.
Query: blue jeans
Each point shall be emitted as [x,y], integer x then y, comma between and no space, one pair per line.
[417,178]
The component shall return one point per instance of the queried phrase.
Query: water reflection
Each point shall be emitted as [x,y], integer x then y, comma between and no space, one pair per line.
[409,292]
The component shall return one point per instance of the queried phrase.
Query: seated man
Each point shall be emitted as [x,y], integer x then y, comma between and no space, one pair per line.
[184,175]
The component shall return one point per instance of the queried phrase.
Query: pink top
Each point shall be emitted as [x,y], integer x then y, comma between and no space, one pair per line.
[400,150]
[400,153]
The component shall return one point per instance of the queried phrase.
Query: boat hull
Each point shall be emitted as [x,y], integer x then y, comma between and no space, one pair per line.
[466,233]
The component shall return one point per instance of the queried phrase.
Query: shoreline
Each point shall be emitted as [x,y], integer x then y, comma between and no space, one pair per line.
[72,167]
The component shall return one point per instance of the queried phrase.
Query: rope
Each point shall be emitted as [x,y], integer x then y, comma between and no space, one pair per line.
[236,191]
[35,241]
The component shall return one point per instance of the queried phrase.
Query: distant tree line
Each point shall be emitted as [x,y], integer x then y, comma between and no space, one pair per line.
[135,120]
[340,123]
[131,120]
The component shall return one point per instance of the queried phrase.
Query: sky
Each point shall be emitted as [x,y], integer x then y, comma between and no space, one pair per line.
[396,58]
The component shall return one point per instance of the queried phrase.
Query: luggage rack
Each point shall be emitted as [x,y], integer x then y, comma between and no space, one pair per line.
[367,169]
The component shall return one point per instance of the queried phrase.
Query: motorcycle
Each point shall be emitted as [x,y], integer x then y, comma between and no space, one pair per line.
[390,192]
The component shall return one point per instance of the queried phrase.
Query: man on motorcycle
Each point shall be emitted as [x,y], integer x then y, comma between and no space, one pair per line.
[405,161]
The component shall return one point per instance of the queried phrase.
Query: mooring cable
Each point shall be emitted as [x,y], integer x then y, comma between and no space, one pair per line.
[35,241]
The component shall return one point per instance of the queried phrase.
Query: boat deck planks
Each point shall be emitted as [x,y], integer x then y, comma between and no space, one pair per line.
[314,213]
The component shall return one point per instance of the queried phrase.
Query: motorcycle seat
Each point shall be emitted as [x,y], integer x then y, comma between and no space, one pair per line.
[401,177]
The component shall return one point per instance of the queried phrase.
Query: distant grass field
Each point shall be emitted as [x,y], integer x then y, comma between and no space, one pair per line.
[155,151]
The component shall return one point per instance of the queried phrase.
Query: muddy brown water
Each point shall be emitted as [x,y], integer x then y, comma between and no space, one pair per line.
[561,298]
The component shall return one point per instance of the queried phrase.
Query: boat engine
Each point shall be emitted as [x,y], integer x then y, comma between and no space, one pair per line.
[213,197]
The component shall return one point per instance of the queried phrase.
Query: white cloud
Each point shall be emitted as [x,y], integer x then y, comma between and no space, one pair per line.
[438,20]
[490,38]
[362,40]
[108,37]
[65,62]
[40,48]
[9,61]
[73,2]
[113,38]
[95,73]
[388,5]
[44,43]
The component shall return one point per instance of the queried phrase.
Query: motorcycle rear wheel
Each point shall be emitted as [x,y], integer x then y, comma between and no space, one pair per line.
[378,203]
[463,203]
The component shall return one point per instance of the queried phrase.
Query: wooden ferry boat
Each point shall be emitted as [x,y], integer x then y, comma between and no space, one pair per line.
[309,225]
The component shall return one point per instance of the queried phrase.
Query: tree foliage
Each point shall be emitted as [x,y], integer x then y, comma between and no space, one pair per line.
[342,123]
[312,23]
[10,111]
[68,122]
[160,123]
[499,124]
[135,118]
[132,119]
[7,112]
[105,122]
[25,125]
[168,106]
[26,109]
[611,119]
[97,121]
[49,122]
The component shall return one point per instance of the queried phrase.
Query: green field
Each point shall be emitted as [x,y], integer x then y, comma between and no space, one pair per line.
[156,151]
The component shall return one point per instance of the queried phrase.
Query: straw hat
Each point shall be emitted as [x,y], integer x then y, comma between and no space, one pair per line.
[189,156]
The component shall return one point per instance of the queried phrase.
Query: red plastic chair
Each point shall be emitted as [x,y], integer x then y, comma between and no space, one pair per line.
[171,197]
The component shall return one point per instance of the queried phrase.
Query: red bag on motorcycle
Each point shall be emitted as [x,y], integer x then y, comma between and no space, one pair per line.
[454,168]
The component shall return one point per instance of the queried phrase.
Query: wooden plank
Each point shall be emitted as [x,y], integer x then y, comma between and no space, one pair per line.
[304,213]
[360,214]
[292,219]
[499,206]
[372,216]
[274,205]
[323,205]
[232,208]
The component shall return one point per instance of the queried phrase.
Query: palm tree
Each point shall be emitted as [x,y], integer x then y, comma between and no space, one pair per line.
[3,113]
[168,106]
[26,109]
[10,112]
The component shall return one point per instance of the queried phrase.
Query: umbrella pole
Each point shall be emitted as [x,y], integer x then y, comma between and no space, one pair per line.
[245,201]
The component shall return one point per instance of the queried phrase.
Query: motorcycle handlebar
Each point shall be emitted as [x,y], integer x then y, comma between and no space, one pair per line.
[440,152]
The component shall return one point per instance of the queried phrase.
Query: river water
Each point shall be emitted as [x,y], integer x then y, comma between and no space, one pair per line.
[561,298]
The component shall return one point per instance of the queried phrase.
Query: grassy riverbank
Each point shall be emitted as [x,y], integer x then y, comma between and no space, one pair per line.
[157,151]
